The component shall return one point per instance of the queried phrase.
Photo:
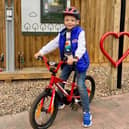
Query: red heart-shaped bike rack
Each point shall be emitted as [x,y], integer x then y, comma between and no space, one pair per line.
[116,35]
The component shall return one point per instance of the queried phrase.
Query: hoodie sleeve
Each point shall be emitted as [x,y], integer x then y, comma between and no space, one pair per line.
[81,45]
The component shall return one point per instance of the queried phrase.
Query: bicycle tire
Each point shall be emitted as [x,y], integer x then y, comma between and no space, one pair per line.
[92,91]
[33,108]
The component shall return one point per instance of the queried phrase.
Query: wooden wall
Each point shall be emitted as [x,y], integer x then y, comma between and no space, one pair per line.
[2,27]
[126,42]
[97,18]
[29,45]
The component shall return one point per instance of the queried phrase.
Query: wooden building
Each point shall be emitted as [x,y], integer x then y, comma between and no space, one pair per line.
[97,18]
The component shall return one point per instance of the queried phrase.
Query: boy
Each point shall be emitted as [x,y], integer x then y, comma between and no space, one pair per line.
[71,43]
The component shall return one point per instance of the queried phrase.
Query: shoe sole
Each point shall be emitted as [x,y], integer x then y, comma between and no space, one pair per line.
[61,107]
[86,126]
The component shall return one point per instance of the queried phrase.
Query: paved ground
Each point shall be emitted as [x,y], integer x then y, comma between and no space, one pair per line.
[108,113]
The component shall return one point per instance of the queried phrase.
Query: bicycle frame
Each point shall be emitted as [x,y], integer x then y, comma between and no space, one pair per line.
[55,80]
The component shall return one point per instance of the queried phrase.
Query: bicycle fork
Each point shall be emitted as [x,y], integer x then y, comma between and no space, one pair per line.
[51,105]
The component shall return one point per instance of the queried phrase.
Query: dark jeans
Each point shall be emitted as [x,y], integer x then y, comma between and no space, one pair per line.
[66,71]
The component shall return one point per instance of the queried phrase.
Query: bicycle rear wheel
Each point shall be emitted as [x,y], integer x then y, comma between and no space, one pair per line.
[39,116]
[90,84]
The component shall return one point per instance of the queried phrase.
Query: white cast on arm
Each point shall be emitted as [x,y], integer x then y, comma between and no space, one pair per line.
[50,46]
[81,45]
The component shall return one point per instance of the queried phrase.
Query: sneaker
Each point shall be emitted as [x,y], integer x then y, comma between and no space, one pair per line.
[61,106]
[87,119]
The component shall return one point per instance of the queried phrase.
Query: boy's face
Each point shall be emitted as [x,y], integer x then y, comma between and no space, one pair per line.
[70,22]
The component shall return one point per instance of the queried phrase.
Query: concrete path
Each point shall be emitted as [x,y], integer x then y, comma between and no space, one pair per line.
[108,113]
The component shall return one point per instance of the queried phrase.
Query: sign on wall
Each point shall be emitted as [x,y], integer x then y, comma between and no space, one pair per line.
[31,17]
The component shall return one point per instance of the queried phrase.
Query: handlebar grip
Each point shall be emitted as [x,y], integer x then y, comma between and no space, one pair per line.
[74,63]
[40,58]
[65,58]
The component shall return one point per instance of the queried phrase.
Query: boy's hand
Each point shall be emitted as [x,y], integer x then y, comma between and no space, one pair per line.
[71,60]
[36,55]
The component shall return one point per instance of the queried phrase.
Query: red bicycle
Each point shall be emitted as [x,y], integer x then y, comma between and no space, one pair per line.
[45,107]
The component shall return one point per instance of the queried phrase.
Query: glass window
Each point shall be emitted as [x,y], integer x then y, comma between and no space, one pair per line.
[51,11]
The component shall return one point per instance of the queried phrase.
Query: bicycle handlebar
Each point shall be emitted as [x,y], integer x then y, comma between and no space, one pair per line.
[48,65]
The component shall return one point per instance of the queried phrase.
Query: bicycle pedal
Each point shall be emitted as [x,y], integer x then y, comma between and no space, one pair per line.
[74,107]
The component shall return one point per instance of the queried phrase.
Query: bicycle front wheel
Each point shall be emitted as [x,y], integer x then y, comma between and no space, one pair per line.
[39,116]
[90,84]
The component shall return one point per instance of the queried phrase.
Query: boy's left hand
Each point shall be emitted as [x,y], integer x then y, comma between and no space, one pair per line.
[71,60]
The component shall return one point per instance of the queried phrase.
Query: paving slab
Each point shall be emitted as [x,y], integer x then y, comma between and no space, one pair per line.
[108,113]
